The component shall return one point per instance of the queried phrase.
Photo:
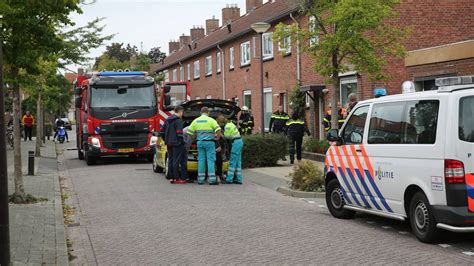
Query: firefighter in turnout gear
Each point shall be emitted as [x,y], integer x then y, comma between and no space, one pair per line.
[296,128]
[246,121]
[278,121]
[231,133]
[206,130]
[340,119]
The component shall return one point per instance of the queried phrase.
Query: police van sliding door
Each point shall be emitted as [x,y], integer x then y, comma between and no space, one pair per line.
[403,148]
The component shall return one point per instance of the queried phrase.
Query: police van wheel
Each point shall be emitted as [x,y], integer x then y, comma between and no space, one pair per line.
[422,220]
[335,201]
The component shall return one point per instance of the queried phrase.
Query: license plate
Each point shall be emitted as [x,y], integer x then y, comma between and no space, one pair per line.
[125,150]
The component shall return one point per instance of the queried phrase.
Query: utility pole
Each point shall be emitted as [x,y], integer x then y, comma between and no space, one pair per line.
[4,222]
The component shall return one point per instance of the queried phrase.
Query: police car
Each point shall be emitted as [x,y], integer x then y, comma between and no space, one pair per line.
[408,157]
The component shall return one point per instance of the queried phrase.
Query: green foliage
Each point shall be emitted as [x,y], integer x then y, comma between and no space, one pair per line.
[348,35]
[116,56]
[263,151]
[306,176]
[156,55]
[141,63]
[298,101]
[311,144]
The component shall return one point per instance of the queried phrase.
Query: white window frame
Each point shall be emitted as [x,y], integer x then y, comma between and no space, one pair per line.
[245,93]
[208,65]
[231,58]
[265,92]
[197,69]
[189,71]
[198,98]
[181,73]
[218,62]
[267,40]
[285,45]
[166,74]
[209,97]
[175,75]
[245,53]
[312,27]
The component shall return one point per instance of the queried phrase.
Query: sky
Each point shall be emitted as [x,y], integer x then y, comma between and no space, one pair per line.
[151,23]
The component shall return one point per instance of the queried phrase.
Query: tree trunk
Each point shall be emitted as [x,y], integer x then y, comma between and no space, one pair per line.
[18,169]
[39,123]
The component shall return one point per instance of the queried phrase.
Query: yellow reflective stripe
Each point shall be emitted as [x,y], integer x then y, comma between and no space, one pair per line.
[298,122]
[280,117]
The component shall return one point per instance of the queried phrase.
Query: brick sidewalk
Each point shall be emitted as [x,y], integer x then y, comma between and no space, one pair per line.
[37,232]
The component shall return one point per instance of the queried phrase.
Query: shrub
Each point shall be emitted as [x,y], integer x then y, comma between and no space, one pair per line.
[314,145]
[263,151]
[306,176]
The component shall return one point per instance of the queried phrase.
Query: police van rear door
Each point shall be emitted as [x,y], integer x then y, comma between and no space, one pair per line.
[464,147]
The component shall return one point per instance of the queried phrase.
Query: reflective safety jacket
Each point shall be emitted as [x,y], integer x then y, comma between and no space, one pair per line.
[278,122]
[327,120]
[204,127]
[297,128]
[246,123]
[231,131]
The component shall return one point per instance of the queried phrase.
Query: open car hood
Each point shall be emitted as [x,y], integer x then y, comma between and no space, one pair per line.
[192,109]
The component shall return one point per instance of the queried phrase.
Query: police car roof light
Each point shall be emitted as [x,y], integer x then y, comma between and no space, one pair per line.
[121,73]
[452,81]
[379,92]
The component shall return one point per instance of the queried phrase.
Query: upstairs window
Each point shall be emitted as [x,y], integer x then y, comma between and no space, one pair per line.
[285,45]
[208,65]
[188,70]
[175,75]
[218,62]
[181,73]
[245,54]
[231,58]
[267,40]
[312,26]
[197,70]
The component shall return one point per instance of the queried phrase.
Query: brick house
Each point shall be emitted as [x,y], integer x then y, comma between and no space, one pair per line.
[223,60]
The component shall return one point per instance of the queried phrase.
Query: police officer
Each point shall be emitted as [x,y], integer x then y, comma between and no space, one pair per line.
[340,118]
[246,121]
[232,134]
[296,128]
[206,130]
[278,121]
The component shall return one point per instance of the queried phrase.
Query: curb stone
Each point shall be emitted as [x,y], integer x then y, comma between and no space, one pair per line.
[300,194]
[314,156]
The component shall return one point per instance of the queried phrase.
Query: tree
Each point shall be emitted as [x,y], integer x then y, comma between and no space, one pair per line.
[156,55]
[298,101]
[31,31]
[355,33]
[116,55]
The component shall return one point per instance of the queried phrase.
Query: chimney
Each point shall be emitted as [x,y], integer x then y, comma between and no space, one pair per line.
[212,25]
[197,33]
[230,13]
[253,4]
[184,40]
[173,46]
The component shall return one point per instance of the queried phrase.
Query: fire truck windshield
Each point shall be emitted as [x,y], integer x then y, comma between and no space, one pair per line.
[123,98]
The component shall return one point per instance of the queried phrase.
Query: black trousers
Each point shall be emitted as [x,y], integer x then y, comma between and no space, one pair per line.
[28,132]
[178,160]
[219,163]
[295,143]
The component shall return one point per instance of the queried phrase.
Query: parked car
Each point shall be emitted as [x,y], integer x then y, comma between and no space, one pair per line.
[192,110]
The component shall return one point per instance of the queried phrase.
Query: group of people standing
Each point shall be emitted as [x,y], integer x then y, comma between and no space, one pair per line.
[342,112]
[27,122]
[211,136]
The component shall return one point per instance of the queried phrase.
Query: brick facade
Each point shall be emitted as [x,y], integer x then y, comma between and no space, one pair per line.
[433,23]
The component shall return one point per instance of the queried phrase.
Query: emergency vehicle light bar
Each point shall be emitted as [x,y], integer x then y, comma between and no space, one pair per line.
[451,81]
[113,73]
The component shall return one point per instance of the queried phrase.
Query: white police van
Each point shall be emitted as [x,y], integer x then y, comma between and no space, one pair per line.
[408,157]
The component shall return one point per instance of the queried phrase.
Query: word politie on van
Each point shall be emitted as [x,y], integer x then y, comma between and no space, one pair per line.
[379,173]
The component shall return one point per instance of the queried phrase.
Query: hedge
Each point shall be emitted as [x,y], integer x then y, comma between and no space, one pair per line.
[311,144]
[263,151]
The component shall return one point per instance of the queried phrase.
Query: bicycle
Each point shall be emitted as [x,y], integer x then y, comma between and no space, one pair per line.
[10,136]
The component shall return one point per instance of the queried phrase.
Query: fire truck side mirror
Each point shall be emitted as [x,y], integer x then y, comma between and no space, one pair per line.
[167,89]
[78,102]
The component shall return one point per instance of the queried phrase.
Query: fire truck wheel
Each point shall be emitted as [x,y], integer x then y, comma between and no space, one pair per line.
[150,158]
[90,160]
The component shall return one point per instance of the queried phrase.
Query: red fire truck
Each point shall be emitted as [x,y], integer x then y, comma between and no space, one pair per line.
[119,113]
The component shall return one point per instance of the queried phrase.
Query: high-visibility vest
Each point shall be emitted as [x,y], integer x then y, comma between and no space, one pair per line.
[231,131]
[204,127]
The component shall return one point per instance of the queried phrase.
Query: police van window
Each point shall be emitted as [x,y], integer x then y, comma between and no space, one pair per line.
[386,123]
[355,124]
[466,121]
[420,122]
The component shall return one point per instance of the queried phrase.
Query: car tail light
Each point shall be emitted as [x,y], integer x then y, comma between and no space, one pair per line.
[454,171]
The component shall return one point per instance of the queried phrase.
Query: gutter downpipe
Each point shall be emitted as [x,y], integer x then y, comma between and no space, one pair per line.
[298,52]
[223,72]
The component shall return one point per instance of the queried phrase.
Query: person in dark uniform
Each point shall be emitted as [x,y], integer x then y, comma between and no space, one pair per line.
[340,118]
[278,121]
[221,149]
[174,140]
[296,127]
[246,121]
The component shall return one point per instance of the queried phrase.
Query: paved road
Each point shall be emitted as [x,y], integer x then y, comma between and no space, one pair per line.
[131,215]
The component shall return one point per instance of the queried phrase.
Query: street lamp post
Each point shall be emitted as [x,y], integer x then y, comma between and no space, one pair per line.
[261,28]
[4,222]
